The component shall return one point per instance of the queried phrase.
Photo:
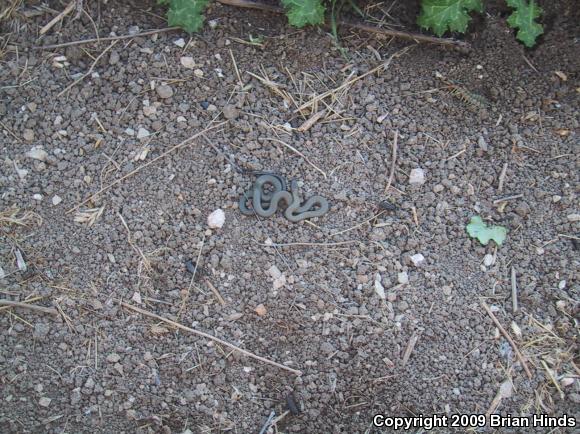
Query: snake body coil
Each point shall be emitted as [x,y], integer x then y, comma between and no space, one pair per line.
[265,203]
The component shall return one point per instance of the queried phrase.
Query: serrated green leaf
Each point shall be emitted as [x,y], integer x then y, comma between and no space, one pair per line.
[523,18]
[303,12]
[478,229]
[186,14]
[443,15]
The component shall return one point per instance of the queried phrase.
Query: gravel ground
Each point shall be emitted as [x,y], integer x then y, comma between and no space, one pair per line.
[342,298]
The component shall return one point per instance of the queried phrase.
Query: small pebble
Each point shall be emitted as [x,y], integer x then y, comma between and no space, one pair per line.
[260,310]
[417,259]
[488,260]
[573,218]
[114,58]
[56,200]
[446,290]
[179,42]
[417,177]
[142,133]
[37,153]
[230,112]
[403,278]
[198,73]
[482,143]
[113,358]
[164,91]
[216,219]
[28,135]
[187,62]
[44,401]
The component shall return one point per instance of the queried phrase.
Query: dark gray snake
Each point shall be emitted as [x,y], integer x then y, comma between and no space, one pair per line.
[265,203]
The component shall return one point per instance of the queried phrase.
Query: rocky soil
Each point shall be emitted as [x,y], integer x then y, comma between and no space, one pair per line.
[380,306]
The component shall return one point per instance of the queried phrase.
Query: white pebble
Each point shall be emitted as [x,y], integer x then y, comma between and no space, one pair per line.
[37,196]
[403,278]
[562,284]
[379,288]
[573,218]
[417,259]
[417,177]
[136,297]
[142,133]
[44,401]
[130,132]
[180,42]
[187,62]
[37,153]
[488,260]
[216,219]
[198,73]
[274,272]
[56,200]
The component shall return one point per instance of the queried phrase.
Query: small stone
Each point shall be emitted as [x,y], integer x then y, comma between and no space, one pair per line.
[113,358]
[28,135]
[44,401]
[114,57]
[260,310]
[403,278]
[230,112]
[75,396]
[327,348]
[446,290]
[142,133]
[212,24]
[216,219]
[164,91]
[379,288]
[179,42]
[149,110]
[279,282]
[392,297]
[488,260]
[136,297]
[181,119]
[130,132]
[482,143]
[37,153]
[523,209]
[40,330]
[438,188]
[417,177]
[37,196]
[90,383]
[147,356]
[211,108]
[417,259]
[573,218]
[57,120]
[198,73]
[187,62]
[56,200]
[133,30]
[274,272]
[561,284]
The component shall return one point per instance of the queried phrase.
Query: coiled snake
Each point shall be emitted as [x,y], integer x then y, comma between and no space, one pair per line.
[265,203]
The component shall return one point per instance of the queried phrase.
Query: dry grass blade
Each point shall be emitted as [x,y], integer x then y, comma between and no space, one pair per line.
[88,216]
[276,88]
[13,217]
[8,303]
[59,17]
[292,148]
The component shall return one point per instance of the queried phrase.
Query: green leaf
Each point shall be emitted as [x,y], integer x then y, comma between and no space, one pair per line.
[186,14]
[163,2]
[303,12]
[478,229]
[523,18]
[443,15]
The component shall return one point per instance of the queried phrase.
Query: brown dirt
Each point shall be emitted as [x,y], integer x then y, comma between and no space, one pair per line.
[108,369]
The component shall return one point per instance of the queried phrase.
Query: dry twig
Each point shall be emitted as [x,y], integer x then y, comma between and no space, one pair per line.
[509,339]
[42,309]
[210,337]
[392,174]
[59,17]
